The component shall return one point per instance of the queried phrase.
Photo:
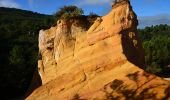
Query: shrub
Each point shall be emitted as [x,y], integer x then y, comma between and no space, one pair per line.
[67,12]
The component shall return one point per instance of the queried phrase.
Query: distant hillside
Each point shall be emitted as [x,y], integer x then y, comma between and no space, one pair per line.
[9,15]
[15,11]
[18,48]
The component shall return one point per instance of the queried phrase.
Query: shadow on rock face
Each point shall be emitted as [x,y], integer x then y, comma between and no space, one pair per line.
[35,83]
[120,89]
[132,48]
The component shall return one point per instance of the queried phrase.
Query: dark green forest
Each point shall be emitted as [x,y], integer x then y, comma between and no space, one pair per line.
[19,47]
[156,43]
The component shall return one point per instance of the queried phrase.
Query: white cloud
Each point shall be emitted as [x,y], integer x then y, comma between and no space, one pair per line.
[154,20]
[94,2]
[9,3]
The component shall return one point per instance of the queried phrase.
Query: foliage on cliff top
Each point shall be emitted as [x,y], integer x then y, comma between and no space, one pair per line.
[67,12]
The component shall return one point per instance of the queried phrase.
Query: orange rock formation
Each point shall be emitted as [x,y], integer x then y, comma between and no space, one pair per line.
[100,63]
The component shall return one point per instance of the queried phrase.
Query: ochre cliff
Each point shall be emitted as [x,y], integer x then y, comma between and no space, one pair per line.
[103,62]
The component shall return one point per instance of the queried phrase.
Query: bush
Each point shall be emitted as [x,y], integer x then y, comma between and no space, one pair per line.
[68,12]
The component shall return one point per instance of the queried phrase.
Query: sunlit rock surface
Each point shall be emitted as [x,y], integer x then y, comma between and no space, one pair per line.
[103,62]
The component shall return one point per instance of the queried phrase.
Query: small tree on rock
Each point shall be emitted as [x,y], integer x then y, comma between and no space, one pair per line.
[67,12]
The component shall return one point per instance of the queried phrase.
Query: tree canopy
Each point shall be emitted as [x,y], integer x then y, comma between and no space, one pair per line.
[156,43]
[68,12]
[19,48]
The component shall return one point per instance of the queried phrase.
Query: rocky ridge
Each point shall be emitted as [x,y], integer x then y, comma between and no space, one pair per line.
[103,62]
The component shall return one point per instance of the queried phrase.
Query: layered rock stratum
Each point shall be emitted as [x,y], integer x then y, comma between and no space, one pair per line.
[103,62]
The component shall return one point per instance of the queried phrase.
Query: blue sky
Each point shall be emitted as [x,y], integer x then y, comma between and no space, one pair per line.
[101,7]
[157,9]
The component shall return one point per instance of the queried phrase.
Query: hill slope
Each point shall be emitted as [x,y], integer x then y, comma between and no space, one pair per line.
[18,48]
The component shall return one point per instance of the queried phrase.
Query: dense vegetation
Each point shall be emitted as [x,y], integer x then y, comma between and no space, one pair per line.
[19,48]
[156,43]
[67,12]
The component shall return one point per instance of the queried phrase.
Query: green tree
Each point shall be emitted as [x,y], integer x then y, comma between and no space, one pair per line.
[18,42]
[157,52]
[156,43]
[68,12]
[17,56]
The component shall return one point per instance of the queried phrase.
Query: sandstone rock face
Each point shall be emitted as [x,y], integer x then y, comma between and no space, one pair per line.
[101,63]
